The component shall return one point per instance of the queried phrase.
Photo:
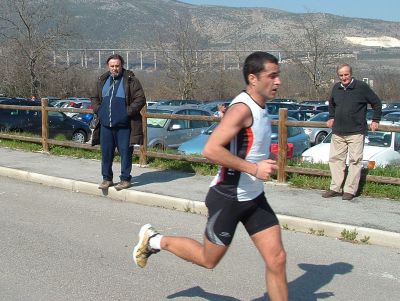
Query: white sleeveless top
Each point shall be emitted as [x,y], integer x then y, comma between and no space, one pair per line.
[251,144]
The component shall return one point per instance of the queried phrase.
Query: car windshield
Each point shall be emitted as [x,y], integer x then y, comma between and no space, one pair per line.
[211,129]
[157,122]
[320,117]
[381,139]
[394,117]
[167,102]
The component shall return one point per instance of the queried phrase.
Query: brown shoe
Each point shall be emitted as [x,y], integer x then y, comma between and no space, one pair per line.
[123,185]
[347,196]
[106,184]
[330,194]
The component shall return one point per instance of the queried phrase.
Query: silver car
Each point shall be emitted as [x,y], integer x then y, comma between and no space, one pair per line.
[171,133]
[317,135]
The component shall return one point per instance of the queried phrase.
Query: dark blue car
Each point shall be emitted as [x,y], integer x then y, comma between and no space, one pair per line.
[31,121]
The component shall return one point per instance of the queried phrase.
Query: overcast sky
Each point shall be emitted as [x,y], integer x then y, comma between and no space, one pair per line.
[388,10]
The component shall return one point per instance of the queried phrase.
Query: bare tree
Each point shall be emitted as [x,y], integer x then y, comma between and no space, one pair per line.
[32,29]
[385,83]
[182,54]
[313,49]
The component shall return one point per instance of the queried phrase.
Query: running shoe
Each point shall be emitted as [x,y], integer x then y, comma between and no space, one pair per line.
[142,250]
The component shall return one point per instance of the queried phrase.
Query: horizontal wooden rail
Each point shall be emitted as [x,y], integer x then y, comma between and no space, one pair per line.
[15,107]
[21,138]
[143,152]
[179,157]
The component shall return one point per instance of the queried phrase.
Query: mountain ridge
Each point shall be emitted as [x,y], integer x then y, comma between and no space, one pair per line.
[136,23]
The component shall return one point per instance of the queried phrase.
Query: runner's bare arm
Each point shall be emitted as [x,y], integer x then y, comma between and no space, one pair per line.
[236,117]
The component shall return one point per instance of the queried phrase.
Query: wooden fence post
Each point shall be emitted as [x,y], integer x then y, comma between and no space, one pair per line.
[143,148]
[282,145]
[45,125]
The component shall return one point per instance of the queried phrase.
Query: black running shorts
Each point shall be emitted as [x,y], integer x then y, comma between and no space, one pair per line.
[224,214]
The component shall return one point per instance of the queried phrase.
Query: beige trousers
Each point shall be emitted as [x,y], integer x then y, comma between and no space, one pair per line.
[341,147]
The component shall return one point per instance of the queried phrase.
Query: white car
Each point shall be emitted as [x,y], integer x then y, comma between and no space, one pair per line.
[381,149]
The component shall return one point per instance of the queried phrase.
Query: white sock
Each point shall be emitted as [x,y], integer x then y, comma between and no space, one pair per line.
[155,242]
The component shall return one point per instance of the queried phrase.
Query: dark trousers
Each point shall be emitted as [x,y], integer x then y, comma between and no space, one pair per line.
[111,138]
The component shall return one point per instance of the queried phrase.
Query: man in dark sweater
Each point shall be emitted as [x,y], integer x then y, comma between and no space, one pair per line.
[347,118]
[117,100]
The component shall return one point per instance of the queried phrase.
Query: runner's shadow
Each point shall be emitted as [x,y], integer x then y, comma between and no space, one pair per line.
[305,287]
[197,291]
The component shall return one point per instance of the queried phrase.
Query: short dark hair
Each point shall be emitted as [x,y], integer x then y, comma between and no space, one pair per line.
[115,57]
[254,63]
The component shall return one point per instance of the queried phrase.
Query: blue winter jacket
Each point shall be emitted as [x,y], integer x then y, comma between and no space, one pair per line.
[113,111]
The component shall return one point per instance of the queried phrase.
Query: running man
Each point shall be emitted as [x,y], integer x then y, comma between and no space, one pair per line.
[240,145]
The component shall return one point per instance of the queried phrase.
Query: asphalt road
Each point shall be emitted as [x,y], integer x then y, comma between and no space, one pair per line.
[60,245]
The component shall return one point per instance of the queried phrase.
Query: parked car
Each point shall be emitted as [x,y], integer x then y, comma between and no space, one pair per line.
[52,99]
[31,121]
[150,103]
[319,107]
[273,107]
[60,103]
[177,102]
[393,105]
[171,133]
[381,149]
[370,112]
[393,117]
[212,106]
[302,115]
[85,117]
[287,100]
[77,103]
[317,135]
[298,141]
[314,102]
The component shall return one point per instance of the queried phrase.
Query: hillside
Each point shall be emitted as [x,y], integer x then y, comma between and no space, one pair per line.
[137,23]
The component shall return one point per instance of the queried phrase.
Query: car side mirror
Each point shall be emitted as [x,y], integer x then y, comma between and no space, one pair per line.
[175,127]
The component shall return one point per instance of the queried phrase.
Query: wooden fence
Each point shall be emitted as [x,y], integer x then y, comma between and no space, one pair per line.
[143,153]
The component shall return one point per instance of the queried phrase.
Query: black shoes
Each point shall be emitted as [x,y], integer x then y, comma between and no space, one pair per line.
[347,196]
[330,194]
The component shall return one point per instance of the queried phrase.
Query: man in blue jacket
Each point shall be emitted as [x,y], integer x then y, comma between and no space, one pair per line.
[117,101]
[347,118]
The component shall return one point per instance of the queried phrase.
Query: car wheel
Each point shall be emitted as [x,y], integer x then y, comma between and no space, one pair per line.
[159,147]
[79,136]
[320,137]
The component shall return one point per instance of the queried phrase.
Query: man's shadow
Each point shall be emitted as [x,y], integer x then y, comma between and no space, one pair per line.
[361,183]
[303,288]
[159,176]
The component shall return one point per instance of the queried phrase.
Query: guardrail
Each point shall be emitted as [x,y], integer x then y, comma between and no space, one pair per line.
[143,152]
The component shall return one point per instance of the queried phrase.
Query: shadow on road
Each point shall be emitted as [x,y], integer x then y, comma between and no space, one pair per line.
[303,288]
[159,176]
[197,291]
[315,277]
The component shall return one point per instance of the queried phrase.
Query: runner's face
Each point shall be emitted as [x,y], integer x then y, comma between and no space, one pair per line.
[267,82]
[344,74]
[115,67]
